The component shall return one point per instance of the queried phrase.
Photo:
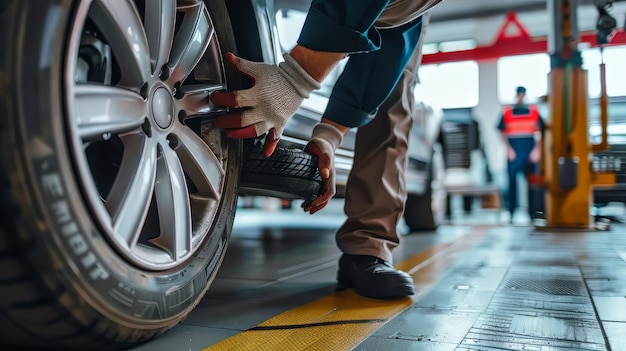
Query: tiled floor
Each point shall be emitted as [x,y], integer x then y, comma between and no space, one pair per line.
[481,286]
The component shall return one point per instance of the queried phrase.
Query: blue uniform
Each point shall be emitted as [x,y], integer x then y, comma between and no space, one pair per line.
[522,141]
[377,56]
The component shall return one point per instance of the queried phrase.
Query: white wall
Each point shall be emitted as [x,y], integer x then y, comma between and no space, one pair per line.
[487,114]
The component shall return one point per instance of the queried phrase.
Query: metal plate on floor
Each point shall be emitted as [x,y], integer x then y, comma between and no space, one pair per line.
[546,308]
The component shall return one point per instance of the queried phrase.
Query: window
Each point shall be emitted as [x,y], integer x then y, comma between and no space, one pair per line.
[614,58]
[530,71]
[289,22]
[449,85]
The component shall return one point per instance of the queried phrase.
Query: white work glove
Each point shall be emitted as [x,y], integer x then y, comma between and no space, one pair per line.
[325,140]
[276,94]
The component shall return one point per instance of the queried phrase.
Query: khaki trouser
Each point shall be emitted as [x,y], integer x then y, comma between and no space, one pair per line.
[376,192]
[399,12]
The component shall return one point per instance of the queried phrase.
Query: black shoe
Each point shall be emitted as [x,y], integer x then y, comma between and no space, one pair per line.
[372,277]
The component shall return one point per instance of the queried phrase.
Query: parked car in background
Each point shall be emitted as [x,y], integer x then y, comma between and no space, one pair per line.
[119,193]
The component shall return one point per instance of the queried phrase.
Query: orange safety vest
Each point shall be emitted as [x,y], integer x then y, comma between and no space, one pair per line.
[521,125]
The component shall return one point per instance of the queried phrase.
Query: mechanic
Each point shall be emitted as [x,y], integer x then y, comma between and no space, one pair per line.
[521,126]
[381,38]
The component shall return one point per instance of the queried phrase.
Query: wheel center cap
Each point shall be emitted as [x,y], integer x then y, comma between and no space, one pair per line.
[162,108]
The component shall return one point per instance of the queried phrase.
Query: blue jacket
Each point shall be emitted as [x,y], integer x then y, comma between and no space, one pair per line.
[377,57]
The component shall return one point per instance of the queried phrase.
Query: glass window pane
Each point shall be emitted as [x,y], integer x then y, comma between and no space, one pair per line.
[614,58]
[289,22]
[435,84]
[530,71]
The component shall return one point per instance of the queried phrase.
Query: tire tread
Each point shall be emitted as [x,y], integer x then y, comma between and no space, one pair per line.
[288,171]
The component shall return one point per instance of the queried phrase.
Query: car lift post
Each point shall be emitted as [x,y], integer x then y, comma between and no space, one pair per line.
[566,168]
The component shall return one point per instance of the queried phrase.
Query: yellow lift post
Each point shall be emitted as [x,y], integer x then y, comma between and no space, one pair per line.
[566,161]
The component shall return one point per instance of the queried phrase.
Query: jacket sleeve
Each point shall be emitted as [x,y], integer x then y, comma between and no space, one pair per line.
[368,78]
[345,26]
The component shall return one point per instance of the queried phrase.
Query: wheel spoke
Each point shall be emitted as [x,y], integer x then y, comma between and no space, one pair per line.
[160,20]
[200,164]
[129,199]
[120,22]
[103,109]
[195,100]
[190,42]
[173,205]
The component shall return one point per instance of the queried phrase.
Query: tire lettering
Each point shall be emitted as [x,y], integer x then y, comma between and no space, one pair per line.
[53,188]
[97,272]
[69,228]
[52,184]
[78,244]
[61,212]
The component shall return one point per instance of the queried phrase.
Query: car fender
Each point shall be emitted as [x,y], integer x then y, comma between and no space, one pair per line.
[254,29]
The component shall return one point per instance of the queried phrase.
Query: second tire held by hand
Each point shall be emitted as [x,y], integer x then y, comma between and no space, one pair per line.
[286,174]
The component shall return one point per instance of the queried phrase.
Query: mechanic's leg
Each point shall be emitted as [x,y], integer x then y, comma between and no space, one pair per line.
[512,170]
[535,191]
[375,193]
[375,197]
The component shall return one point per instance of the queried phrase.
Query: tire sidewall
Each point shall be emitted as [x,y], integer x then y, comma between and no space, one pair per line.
[73,249]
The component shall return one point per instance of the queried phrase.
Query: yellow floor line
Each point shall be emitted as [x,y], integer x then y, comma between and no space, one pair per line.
[344,319]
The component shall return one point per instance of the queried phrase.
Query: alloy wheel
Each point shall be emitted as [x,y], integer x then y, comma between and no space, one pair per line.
[137,79]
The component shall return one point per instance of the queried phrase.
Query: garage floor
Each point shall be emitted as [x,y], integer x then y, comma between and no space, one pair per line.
[481,286]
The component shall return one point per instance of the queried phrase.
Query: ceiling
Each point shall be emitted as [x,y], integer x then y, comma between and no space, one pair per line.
[452,10]
[481,20]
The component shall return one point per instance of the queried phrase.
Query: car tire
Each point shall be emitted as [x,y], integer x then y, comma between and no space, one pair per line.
[113,228]
[425,212]
[286,174]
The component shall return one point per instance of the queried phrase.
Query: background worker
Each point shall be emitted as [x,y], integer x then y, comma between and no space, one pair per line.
[521,126]
[381,39]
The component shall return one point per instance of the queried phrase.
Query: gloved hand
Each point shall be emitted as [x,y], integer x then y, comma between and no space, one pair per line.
[276,94]
[325,140]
